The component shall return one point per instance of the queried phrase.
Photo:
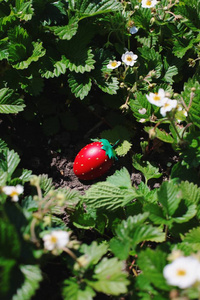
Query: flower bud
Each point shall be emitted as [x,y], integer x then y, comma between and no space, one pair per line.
[152,133]
[35,181]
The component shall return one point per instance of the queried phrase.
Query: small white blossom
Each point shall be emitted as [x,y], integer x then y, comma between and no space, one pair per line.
[113,64]
[142,111]
[129,58]
[180,108]
[133,30]
[13,191]
[149,3]
[142,120]
[157,99]
[182,272]
[168,106]
[57,239]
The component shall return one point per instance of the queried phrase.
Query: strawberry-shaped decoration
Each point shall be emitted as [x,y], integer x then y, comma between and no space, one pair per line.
[94,160]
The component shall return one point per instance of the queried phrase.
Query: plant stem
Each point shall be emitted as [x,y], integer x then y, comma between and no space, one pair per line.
[68,251]
[174,126]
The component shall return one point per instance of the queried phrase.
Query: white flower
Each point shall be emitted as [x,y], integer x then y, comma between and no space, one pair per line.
[157,99]
[180,108]
[142,120]
[133,30]
[13,191]
[113,64]
[129,58]
[182,272]
[142,111]
[168,106]
[149,3]
[57,239]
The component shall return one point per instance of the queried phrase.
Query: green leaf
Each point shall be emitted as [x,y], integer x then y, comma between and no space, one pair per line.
[80,59]
[32,277]
[187,215]
[6,267]
[91,8]
[4,50]
[190,192]
[80,84]
[132,232]
[104,195]
[118,132]
[52,68]
[121,178]
[109,277]
[24,10]
[9,241]
[45,183]
[93,252]
[9,102]
[192,239]
[190,154]
[191,94]
[181,46]
[72,196]
[169,196]
[123,148]
[148,170]
[37,52]
[101,75]
[146,195]
[3,145]
[140,107]
[68,31]
[151,262]
[181,173]
[170,73]
[142,18]
[74,291]
[9,160]
[156,214]
[161,134]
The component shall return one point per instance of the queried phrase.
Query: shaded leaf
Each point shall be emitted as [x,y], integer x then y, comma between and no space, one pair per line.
[80,84]
[9,102]
[109,278]
[148,170]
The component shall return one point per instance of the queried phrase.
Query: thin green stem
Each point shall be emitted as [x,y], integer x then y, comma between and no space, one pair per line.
[174,126]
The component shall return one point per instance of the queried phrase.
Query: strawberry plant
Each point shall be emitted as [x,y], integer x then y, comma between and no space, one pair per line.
[75,222]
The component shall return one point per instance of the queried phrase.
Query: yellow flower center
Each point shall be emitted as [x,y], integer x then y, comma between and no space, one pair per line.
[129,58]
[14,193]
[54,239]
[166,104]
[181,272]
[156,97]
[114,63]
[148,2]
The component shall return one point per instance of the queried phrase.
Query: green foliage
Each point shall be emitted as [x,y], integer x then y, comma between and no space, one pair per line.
[148,170]
[152,263]
[9,102]
[132,232]
[54,61]
[109,277]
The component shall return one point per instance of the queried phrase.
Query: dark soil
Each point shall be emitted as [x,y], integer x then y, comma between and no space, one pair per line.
[54,155]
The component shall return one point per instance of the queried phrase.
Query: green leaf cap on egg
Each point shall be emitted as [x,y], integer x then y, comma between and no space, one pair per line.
[108,148]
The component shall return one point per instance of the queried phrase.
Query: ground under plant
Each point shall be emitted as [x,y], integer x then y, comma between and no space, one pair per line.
[122,76]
